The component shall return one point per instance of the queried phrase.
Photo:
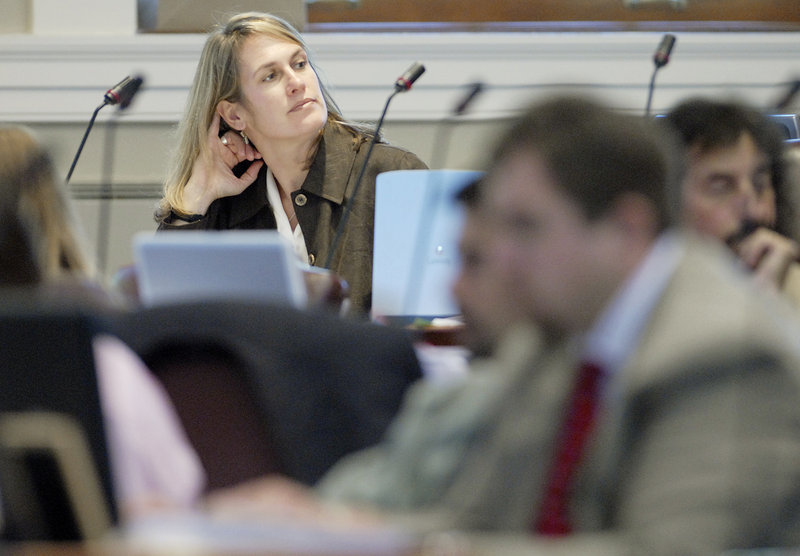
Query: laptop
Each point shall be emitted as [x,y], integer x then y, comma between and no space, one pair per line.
[197,265]
[415,252]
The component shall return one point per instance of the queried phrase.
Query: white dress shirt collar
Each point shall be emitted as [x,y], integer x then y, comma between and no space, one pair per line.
[615,335]
[282,220]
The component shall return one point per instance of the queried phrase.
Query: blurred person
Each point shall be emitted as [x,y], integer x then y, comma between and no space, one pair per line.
[485,312]
[42,203]
[652,408]
[263,145]
[736,188]
[153,465]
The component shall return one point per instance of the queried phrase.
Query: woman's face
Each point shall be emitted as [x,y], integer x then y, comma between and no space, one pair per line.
[281,95]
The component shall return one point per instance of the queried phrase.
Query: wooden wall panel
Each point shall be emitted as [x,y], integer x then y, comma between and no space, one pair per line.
[776,11]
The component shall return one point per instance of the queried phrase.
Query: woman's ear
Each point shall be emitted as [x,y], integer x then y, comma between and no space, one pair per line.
[229,112]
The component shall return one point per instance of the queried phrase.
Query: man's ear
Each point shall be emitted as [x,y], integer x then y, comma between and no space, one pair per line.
[635,214]
[229,112]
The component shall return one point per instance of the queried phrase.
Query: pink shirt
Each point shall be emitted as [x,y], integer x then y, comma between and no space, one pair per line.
[152,463]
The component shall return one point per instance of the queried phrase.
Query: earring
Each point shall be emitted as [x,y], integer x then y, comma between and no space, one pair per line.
[244,137]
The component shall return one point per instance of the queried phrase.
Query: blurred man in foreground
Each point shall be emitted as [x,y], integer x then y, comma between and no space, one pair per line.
[487,311]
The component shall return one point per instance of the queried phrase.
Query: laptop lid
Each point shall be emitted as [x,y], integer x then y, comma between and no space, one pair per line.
[192,265]
[417,226]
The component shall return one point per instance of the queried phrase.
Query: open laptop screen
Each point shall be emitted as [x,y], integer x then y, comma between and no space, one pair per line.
[255,265]
[417,226]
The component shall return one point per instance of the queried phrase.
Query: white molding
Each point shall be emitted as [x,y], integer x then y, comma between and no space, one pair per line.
[62,79]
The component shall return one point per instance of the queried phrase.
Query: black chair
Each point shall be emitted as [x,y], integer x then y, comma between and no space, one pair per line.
[266,388]
[55,477]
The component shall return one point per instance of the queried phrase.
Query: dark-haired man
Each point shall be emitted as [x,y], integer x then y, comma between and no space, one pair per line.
[736,189]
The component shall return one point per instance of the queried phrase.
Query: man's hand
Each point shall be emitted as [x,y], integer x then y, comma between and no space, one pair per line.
[769,255]
[281,499]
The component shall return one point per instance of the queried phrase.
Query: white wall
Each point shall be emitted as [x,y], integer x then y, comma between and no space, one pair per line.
[54,83]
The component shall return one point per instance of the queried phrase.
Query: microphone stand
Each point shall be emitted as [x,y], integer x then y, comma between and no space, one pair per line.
[121,94]
[660,59]
[354,196]
[432,197]
[83,140]
[444,131]
[650,91]
[104,210]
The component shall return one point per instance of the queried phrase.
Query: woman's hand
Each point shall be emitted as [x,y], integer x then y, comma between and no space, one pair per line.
[212,173]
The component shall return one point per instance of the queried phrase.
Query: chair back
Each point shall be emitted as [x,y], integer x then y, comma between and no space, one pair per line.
[212,392]
[51,425]
[316,386]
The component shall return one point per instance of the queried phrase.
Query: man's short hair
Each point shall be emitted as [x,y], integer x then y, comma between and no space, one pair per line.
[470,195]
[596,154]
[709,124]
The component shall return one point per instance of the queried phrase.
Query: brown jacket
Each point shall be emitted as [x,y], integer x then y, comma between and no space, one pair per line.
[319,205]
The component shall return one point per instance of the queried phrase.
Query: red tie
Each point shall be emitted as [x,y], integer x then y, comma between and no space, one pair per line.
[552,518]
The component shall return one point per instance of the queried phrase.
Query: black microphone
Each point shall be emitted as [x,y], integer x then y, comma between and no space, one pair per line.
[474,90]
[122,93]
[787,98]
[402,84]
[405,81]
[442,138]
[660,59]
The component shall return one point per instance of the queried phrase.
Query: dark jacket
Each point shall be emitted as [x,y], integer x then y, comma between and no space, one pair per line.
[319,205]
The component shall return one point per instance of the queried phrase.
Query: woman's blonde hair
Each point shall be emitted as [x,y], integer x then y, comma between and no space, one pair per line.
[42,204]
[217,79]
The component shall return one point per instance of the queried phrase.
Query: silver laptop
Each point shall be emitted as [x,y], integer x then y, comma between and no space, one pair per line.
[255,265]
[417,228]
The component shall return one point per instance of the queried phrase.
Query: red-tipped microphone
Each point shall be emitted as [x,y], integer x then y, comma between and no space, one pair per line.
[122,93]
[405,81]
[402,84]
[661,57]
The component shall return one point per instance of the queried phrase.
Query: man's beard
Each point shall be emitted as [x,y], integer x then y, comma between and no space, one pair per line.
[747,227]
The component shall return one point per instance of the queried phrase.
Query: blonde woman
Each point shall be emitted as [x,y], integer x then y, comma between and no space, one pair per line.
[262,145]
[42,204]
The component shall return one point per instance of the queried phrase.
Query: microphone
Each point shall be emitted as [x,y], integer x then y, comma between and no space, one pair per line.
[474,90]
[441,141]
[122,93]
[402,84]
[660,59]
[405,81]
[787,98]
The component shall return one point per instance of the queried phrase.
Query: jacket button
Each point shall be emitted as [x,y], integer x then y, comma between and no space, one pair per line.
[311,259]
[300,200]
